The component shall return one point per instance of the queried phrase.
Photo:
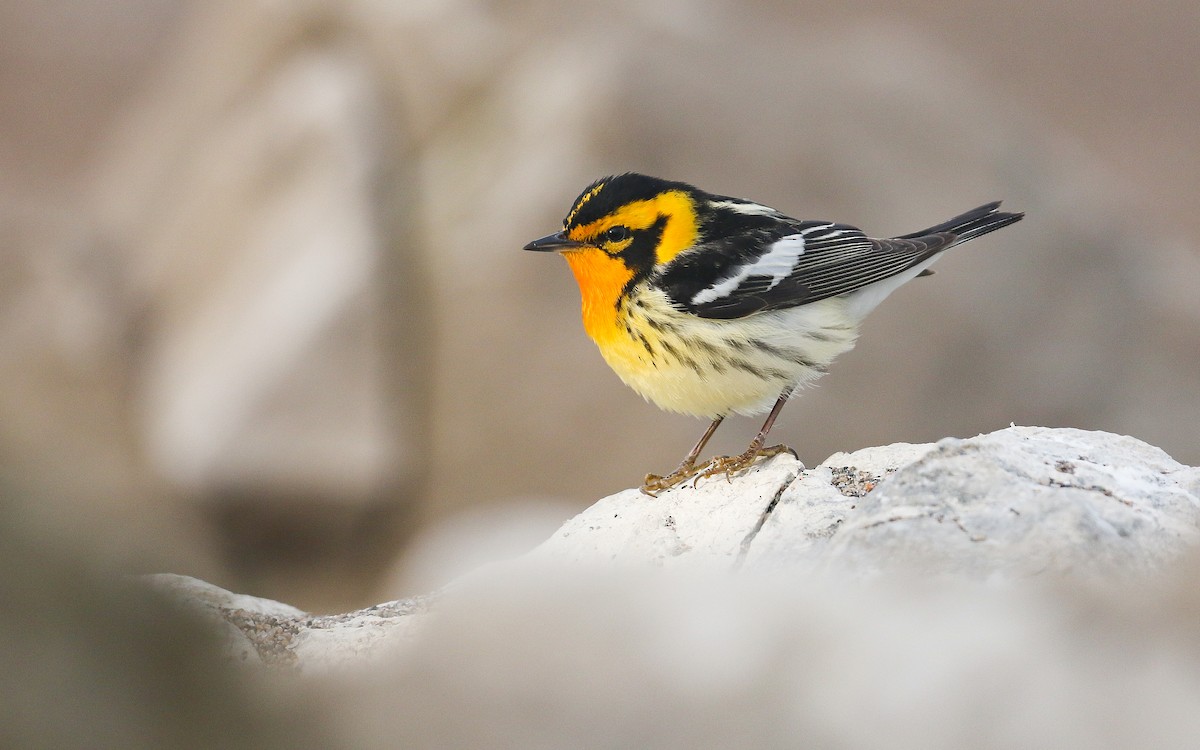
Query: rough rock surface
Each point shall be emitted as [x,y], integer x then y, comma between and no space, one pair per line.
[264,631]
[1018,503]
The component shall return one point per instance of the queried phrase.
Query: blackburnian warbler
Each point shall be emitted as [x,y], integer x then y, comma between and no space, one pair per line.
[707,305]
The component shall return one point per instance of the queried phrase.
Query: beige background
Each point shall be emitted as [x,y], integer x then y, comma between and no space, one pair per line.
[266,315]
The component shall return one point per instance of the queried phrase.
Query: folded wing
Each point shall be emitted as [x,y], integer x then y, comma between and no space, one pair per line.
[813,261]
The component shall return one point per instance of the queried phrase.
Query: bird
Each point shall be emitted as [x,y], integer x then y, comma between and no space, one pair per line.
[710,305]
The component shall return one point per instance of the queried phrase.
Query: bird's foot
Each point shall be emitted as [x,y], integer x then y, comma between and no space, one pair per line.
[654,484]
[730,465]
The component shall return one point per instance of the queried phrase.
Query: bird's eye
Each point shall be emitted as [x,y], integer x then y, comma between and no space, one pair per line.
[616,234]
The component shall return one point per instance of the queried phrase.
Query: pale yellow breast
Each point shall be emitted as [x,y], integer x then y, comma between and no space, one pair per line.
[708,368]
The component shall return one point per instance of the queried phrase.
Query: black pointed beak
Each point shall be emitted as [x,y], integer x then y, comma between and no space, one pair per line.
[553,243]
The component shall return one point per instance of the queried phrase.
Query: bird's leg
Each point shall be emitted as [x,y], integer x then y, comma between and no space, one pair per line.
[730,465]
[653,483]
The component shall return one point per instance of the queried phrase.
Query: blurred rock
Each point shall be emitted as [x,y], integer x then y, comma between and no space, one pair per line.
[669,659]
[89,659]
[265,208]
[1018,504]
[1017,589]
[257,631]
[237,617]
[261,271]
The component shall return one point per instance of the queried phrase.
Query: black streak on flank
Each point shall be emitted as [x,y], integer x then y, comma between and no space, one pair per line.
[694,365]
[662,326]
[645,344]
[708,348]
[670,348]
[787,355]
[745,366]
[774,351]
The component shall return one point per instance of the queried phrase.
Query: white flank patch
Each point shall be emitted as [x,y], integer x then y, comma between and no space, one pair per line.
[777,262]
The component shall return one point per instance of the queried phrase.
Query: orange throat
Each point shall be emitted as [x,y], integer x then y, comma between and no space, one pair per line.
[601,280]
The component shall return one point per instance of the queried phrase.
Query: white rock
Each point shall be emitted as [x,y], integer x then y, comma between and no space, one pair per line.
[704,523]
[676,658]
[1016,504]
[247,624]
[195,591]
[1025,501]
[812,509]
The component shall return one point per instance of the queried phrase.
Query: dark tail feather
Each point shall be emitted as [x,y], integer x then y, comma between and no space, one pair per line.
[970,225]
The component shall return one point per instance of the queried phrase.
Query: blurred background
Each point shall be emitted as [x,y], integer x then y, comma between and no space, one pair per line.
[265,314]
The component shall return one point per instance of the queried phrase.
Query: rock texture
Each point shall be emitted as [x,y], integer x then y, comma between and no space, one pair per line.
[266,632]
[1018,504]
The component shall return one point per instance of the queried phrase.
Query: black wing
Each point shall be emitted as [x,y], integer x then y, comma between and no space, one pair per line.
[791,263]
[807,262]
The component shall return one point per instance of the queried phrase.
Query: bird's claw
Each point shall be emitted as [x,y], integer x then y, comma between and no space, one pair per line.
[654,484]
[727,465]
[731,465]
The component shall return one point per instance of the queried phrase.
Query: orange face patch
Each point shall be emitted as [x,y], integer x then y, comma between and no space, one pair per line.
[678,235]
